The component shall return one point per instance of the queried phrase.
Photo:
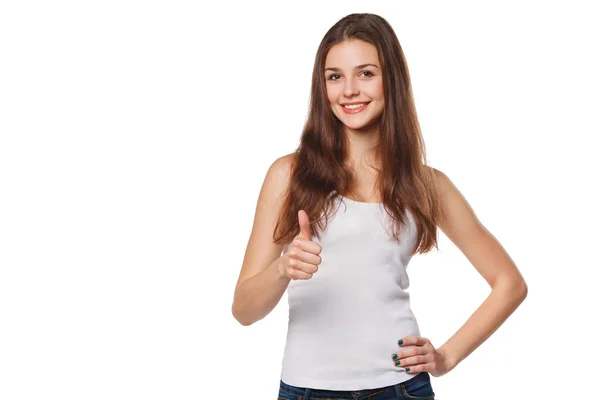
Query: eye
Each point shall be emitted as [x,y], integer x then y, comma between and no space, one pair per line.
[332,75]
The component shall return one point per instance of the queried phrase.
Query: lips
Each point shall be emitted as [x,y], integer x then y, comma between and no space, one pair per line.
[354,110]
[355,103]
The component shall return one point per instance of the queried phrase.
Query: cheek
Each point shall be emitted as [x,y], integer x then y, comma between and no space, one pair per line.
[376,90]
[376,93]
[332,95]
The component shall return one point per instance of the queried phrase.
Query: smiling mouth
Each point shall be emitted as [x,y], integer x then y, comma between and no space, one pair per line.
[354,108]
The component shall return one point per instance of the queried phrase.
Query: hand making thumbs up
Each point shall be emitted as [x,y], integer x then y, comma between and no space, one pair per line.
[302,259]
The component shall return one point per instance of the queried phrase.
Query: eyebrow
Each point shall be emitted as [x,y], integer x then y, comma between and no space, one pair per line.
[335,69]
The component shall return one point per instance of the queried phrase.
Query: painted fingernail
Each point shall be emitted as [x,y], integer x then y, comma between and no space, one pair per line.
[408,369]
[400,342]
[397,362]
[395,356]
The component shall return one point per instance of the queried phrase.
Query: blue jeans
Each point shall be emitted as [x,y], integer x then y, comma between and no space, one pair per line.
[417,387]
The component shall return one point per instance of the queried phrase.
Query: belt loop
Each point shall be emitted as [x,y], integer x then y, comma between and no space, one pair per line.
[398,389]
[307,394]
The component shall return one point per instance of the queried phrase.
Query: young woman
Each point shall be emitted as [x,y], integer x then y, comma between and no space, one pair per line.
[338,220]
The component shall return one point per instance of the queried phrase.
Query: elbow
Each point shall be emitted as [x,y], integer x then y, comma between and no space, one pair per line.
[242,322]
[524,289]
[514,286]
[237,316]
[519,289]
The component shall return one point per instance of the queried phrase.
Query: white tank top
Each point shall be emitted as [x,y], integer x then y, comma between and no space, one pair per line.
[345,322]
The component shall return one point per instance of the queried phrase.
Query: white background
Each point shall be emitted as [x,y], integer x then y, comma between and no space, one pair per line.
[135,137]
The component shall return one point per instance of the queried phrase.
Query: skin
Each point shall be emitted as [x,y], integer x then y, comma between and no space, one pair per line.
[460,224]
[348,84]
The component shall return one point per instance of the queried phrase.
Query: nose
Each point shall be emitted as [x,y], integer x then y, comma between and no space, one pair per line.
[351,88]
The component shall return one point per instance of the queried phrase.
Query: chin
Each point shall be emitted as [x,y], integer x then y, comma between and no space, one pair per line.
[357,124]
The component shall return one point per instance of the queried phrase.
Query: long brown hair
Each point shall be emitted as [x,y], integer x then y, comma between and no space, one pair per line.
[319,164]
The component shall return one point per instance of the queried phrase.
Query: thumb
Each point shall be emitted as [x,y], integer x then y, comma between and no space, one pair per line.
[304,225]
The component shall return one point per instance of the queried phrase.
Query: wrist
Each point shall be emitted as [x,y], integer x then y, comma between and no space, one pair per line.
[279,268]
[450,361]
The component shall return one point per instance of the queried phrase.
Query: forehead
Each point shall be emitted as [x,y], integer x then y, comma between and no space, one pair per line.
[350,53]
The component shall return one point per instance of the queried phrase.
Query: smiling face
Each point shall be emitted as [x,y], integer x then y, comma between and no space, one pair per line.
[353,76]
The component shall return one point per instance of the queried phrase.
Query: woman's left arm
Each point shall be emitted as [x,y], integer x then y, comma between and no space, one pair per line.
[480,247]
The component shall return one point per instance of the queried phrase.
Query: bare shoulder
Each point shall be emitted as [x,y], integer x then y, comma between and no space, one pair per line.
[281,169]
[458,215]
[276,181]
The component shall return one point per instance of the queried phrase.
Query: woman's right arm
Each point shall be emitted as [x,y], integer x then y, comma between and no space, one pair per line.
[262,279]
[257,296]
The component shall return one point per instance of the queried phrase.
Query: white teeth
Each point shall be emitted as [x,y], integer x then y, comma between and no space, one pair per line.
[355,105]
